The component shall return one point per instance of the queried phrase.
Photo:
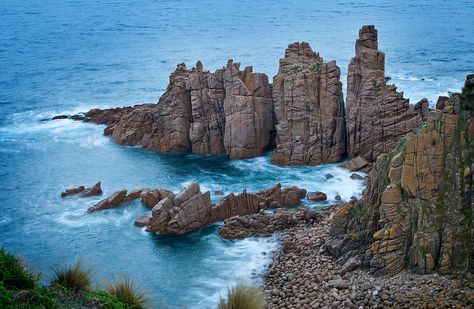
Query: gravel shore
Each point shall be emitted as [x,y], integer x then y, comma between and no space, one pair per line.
[303,276]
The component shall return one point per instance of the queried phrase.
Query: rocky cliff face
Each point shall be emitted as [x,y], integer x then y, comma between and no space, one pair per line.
[309,109]
[377,115]
[417,212]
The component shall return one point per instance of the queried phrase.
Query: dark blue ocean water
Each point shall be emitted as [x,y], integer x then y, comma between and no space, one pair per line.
[68,56]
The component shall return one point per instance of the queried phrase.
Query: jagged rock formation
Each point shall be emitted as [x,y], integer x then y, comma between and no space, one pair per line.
[377,115]
[265,223]
[239,114]
[149,198]
[418,208]
[225,112]
[72,191]
[309,109]
[190,209]
[83,191]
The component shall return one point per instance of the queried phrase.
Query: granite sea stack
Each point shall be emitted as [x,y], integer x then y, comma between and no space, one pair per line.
[228,112]
[301,116]
[309,109]
[377,115]
[417,212]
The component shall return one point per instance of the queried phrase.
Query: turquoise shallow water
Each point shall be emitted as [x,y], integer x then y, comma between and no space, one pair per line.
[68,56]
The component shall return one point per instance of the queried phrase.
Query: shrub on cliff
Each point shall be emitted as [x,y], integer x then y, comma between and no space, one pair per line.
[13,272]
[75,277]
[129,293]
[242,296]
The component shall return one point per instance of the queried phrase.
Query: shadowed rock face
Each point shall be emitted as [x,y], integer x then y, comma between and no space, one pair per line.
[207,107]
[190,209]
[309,109]
[248,112]
[417,212]
[377,115]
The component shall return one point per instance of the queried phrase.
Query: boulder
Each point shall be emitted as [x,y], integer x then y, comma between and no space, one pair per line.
[309,109]
[92,191]
[278,197]
[441,103]
[355,164]
[72,191]
[317,196]
[356,176]
[113,201]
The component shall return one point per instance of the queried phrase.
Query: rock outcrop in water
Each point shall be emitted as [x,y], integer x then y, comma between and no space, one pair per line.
[417,212]
[239,114]
[309,109]
[148,197]
[228,112]
[190,209]
[377,115]
[83,191]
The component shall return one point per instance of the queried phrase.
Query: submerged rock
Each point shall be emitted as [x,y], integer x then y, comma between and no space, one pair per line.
[92,191]
[416,210]
[143,220]
[72,191]
[83,191]
[113,201]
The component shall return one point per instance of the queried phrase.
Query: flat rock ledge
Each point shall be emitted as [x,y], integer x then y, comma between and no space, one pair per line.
[303,276]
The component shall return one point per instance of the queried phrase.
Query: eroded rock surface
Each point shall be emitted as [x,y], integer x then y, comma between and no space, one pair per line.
[228,112]
[309,109]
[113,201]
[190,209]
[83,191]
[92,191]
[265,223]
[377,115]
[72,191]
[417,210]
